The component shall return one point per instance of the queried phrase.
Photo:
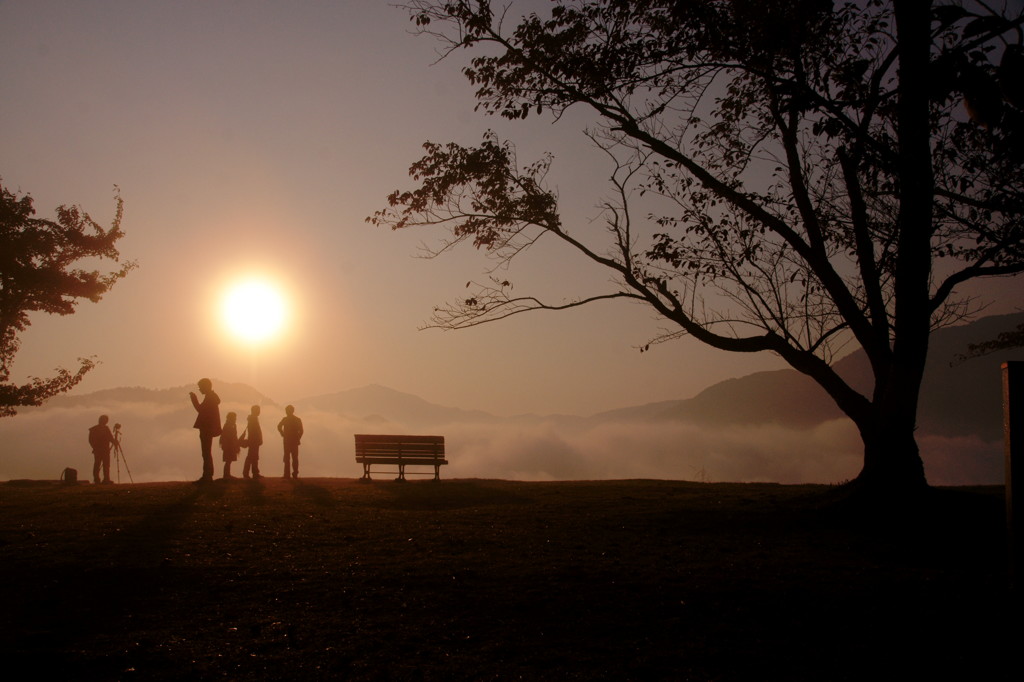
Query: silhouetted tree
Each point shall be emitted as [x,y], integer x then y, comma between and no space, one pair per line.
[786,176]
[39,272]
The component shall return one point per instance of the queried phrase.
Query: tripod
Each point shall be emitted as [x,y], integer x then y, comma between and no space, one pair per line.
[119,455]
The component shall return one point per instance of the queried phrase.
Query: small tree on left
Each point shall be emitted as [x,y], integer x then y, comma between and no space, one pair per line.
[41,270]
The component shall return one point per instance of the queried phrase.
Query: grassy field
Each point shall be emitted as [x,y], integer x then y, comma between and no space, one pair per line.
[499,580]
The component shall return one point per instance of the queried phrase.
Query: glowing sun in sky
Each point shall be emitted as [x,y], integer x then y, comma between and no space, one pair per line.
[254,310]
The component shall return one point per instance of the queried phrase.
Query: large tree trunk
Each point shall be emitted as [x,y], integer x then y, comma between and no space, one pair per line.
[892,461]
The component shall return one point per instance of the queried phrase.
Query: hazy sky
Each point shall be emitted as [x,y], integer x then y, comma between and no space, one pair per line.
[255,137]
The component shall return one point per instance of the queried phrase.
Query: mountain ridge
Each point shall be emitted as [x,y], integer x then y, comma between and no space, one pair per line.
[787,397]
[767,426]
[783,397]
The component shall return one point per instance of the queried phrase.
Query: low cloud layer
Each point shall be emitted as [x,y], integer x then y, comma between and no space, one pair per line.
[160,445]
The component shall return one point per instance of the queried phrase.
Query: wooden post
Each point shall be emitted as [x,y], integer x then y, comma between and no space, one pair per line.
[1013,434]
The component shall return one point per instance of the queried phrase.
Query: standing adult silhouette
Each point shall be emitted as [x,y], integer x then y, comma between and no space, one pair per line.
[290,429]
[208,423]
[101,440]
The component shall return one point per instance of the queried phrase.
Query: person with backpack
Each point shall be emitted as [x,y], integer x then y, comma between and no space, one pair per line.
[253,437]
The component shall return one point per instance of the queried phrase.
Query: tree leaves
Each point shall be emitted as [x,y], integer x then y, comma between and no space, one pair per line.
[809,167]
[38,273]
[486,197]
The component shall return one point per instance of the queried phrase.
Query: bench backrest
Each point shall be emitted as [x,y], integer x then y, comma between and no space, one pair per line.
[406,446]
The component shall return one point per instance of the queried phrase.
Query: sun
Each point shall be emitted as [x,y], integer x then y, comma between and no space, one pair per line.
[254,310]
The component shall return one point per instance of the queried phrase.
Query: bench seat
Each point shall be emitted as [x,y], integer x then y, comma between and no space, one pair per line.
[400,451]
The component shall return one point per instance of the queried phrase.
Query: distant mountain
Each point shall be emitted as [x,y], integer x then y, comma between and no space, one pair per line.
[783,396]
[956,399]
[959,399]
[378,403]
[175,396]
[721,430]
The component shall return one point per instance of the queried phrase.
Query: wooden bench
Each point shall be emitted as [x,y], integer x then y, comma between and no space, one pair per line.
[402,451]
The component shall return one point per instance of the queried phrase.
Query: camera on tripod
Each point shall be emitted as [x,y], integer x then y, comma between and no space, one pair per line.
[119,454]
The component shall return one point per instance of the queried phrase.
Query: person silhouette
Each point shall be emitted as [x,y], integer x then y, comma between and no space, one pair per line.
[255,440]
[290,429]
[208,423]
[229,442]
[101,440]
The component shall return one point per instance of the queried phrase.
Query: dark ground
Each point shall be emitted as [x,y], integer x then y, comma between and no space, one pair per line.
[498,580]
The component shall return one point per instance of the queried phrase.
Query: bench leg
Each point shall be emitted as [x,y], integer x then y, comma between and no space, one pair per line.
[437,472]
[366,473]
[401,473]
